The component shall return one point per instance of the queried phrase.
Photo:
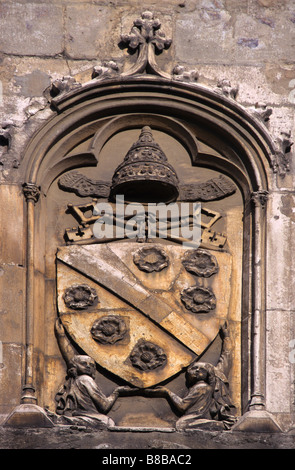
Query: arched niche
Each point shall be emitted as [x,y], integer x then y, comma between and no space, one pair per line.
[78,113]
[214,132]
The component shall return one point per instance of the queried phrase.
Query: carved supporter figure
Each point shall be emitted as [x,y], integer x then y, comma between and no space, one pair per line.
[80,400]
[207,397]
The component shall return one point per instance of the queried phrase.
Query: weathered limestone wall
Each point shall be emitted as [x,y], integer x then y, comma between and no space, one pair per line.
[249,43]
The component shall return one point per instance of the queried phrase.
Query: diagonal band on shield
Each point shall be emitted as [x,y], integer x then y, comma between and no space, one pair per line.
[108,270]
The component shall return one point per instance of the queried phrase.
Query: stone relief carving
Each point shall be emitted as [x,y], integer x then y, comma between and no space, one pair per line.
[151,259]
[80,401]
[198,299]
[79,297]
[109,329]
[80,387]
[262,112]
[84,232]
[152,311]
[146,38]
[281,159]
[143,360]
[207,401]
[107,69]
[31,192]
[147,356]
[61,86]
[200,262]
[144,164]
[181,73]
[82,186]
[213,189]
[205,404]
[260,198]
[225,87]
[141,354]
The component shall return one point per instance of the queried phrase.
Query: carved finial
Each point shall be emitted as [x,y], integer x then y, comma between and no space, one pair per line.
[146,135]
[146,37]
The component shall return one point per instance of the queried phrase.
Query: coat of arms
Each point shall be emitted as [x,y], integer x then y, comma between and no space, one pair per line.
[143,309]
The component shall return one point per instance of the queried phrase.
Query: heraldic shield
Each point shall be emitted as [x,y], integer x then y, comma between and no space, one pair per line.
[143,311]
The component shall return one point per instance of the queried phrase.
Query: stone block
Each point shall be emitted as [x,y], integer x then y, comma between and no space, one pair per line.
[82,40]
[27,415]
[33,84]
[279,292]
[10,374]
[11,223]
[219,35]
[204,37]
[264,36]
[259,421]
[12,293]
[31,29]
[278,384]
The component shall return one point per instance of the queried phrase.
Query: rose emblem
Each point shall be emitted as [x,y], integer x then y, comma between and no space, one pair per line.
[151,259]
[198,299]
[147,356]
[200,262]
[109,329]
[79,297]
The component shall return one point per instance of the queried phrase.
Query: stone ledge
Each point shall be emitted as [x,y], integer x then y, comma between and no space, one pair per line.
[80,437]
[140,429]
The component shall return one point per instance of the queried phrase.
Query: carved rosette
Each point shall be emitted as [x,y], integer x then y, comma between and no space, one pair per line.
[151,259]
[147,356]
[109,329]
[200,262]
[198,299]
[80,297]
